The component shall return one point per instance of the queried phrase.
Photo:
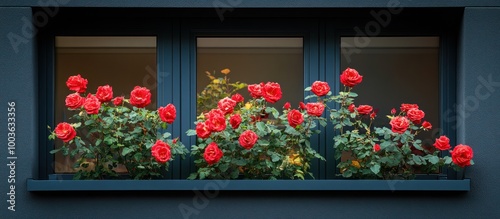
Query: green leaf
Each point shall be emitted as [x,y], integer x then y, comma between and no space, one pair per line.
[223,167]
[240,162]
[166,135]
[433,159]
[375,168]
[126,151]
[263,142]
[352,94]
[89,122]
[275,158]
[307,89]
[322,123]
[261,127]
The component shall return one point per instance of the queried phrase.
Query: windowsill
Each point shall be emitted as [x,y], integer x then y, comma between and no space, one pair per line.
[249,185]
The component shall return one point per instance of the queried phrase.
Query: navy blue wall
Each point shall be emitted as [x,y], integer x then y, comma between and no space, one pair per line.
[478,100]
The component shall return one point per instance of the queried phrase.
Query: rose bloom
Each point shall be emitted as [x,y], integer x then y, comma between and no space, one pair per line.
[351,108]
[399,124]
[320,88]
[442,143]
[140,97]
[118,101]
[272,92]
[350,77]
[168,113]
[372,115]
[238,98]
[315,109]
[255,90]
[248,139]
[462,155]
[216,123]
[393,111]
[202,130]
[74,101]
[302,105]
[287,106]
[92,104]
[235,121]
[376,147]
[212,153]
[406,106]
[104,93]
[65,131]
[364,109]
[161,151]
[295,118]
[77,83]
[226,105]
[427,125]
[415,115]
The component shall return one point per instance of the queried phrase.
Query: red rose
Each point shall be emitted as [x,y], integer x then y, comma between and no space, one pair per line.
[212,153]
[364,109]
[315,109]
[104,93]
[427,125]
[77,83]
[406,106]
[376,147]
[216,123]
[393,111]
[161,151]
[351,108]
[74,101]
[255,90]
[140,97]
[442,143]
[167,113]
[238,98]
[320,88]
[247,139]
[302,106]
[399,124]
[65,131]
[295,118]
[235,121]
[118,101]
[287,106]
[92,104]
[415,115]
[372,115]
[271,92]
[462,155]
[214,113]
[202,130]
[350,77]
[226,105]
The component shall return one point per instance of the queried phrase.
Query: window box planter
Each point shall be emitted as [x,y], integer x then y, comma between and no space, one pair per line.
[249,185]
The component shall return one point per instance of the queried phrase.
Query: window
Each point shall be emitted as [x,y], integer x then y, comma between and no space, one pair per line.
[121,62]
[253,60]
[397,70]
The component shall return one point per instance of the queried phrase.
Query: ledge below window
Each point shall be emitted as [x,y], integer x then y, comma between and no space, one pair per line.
[248,185]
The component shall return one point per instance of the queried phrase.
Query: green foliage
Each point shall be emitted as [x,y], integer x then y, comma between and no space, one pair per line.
[118,136]
[280,152]
[218,88]
[400,156]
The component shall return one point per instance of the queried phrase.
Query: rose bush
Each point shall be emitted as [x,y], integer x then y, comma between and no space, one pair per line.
[381,152]
[112,135]
[253,140]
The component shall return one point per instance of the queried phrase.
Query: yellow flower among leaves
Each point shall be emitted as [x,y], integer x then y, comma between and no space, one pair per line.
[356,164]
[295,159]
[225,71]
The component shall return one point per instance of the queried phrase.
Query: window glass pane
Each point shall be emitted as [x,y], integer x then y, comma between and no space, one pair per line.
[253,60]
[396,70]
[121,62]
